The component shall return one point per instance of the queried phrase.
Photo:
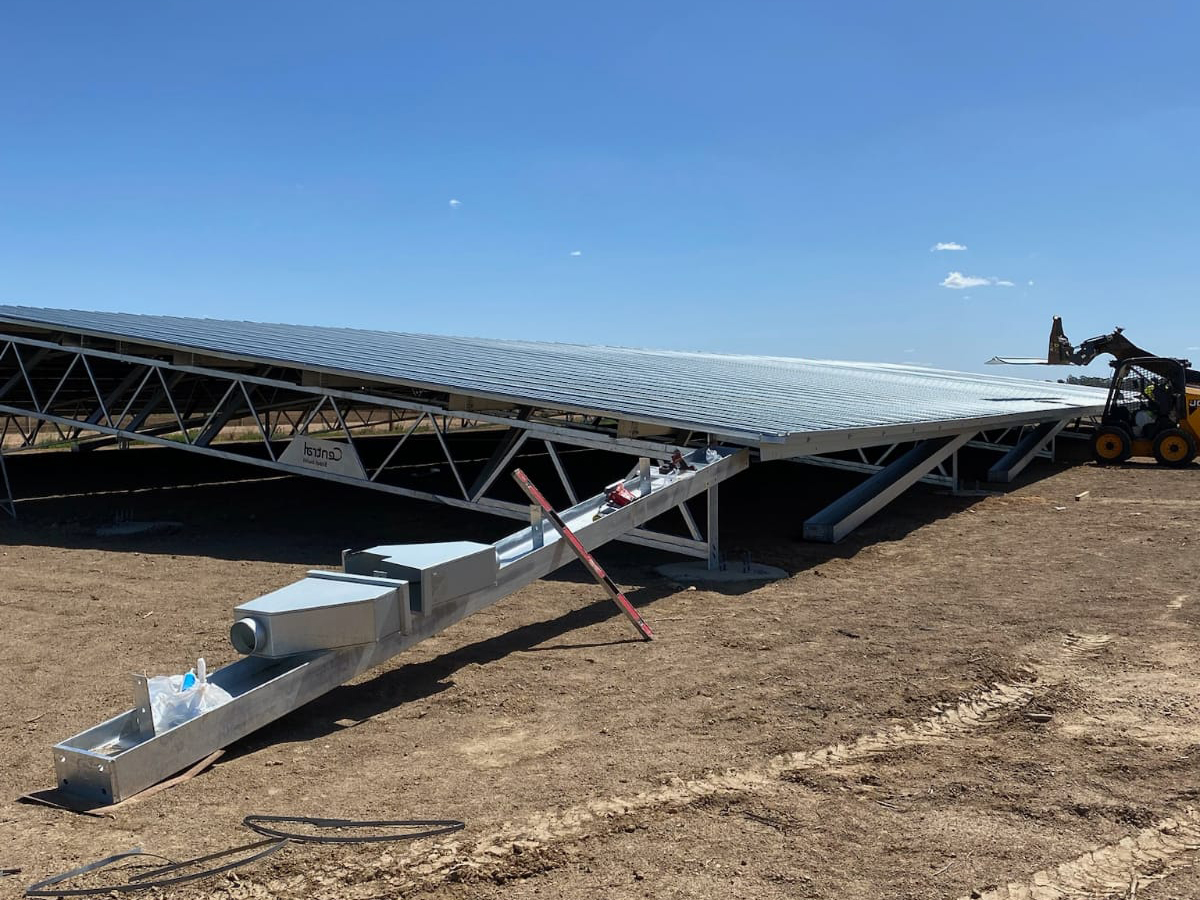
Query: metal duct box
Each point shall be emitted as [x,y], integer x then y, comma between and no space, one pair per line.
[435,572]
[321,612]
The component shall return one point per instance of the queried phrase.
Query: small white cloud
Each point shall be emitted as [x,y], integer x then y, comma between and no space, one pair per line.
[577,253]
[958,281]
[947,245]
[1031,284]
[455,203]
[911,350]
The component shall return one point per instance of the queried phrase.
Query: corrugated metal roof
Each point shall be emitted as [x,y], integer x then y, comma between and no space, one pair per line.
[756,398]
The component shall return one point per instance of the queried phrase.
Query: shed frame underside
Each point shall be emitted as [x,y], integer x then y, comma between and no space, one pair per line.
[59,389]
[53,396]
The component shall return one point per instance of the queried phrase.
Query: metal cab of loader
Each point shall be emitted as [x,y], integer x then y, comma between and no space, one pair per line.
[1152,410]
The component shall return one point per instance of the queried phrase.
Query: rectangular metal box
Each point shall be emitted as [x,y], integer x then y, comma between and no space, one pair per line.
[435,572]
[326,610]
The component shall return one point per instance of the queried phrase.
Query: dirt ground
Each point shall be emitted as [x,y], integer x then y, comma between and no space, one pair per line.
[986,697]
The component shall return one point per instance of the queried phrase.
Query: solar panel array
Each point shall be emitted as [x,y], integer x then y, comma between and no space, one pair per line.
[758,399]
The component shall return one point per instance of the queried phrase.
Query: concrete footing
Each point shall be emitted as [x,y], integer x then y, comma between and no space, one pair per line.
[699,573]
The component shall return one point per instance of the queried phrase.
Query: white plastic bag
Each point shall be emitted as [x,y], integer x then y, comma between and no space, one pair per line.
[174,699]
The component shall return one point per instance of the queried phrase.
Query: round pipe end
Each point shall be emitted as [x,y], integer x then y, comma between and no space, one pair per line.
[247,635]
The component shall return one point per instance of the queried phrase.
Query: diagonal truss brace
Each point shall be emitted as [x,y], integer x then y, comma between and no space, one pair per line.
[842,516]
[1027,449]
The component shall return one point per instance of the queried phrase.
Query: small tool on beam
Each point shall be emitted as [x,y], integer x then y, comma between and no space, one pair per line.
[589,561]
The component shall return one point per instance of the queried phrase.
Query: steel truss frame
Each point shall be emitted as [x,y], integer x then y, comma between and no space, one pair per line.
[86,397]
[1006,440]
[933,461]
[874,459]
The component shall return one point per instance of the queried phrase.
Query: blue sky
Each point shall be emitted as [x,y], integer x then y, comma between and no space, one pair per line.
[752,178]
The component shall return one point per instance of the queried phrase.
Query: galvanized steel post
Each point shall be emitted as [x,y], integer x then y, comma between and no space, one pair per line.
[714,545]
[7,501]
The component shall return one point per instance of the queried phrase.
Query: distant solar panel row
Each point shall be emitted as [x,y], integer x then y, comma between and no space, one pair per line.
[756,399]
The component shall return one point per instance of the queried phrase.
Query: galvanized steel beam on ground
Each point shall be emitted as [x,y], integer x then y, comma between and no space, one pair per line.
[124,755]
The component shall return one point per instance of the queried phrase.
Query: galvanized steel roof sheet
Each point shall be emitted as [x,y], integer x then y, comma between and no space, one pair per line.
[756,398]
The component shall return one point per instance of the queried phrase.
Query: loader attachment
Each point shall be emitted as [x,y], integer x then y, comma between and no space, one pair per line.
[1061,353]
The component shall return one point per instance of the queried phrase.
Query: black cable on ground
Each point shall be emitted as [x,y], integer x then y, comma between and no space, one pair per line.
[433,827]
[275,839]
[152,879]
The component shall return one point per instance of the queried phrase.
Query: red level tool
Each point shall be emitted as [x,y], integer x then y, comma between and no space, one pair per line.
[586,558]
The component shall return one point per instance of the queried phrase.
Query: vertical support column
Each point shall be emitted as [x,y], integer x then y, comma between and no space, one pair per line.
[714,544]
[537,526]
[643,477]
[7,501]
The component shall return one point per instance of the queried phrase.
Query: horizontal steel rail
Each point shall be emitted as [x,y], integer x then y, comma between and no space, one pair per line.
[838,440]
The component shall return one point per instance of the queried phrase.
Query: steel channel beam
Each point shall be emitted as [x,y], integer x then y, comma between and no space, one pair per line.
[851,465]
[265,690]
[670,543]
[1004,448]
[842,516]
[1026,450]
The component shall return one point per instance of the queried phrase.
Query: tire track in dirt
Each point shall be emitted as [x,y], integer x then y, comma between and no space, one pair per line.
[1165,503]
[517,847]
[1114,870]
[522,848]
[1075,645]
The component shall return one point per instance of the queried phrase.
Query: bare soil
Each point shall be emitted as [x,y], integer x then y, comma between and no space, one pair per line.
[971,697]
